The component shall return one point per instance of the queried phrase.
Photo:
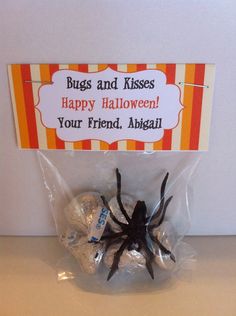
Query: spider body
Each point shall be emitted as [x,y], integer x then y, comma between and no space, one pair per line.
[137,233]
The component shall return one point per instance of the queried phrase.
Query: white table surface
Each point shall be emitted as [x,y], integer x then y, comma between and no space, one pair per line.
[28,284]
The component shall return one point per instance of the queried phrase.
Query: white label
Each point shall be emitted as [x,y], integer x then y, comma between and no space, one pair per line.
[98,225]
[109,105]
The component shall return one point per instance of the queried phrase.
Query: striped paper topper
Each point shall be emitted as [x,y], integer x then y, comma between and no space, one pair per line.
[121,107]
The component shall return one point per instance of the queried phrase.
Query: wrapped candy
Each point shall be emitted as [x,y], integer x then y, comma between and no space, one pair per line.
[80,211]
[164,234]
[89,255]
[129,204]
[130,259]
[121,231]
[80,214]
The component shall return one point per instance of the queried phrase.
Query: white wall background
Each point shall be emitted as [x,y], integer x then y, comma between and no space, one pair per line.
[121,31]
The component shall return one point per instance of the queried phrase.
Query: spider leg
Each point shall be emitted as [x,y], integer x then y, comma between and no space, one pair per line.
[162,247]
[162,200]
[164,210]
[122,225]
[149,258]
[165,250]
[162,215]
[112,236]
[111,242]
[118,196]
[116,260]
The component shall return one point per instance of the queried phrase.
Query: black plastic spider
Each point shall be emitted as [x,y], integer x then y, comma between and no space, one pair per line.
[138,233]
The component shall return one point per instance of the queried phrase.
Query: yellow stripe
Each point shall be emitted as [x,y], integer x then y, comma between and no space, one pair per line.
[69,145]
[176,132]
[151,66]
[95,145]
[63,66]
[122,145]
[93,68]
[148,146]
[122,67]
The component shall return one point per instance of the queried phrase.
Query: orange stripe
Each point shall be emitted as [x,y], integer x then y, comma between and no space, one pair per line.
[104,145]
[197,107]
[131,145]
[78,145]
[187,111]
[102,67]
[60,144]
[29,106]
[73,67]
[131,67]
[50,132]
[161,67]
[158,145]
[20,106]
[167,138]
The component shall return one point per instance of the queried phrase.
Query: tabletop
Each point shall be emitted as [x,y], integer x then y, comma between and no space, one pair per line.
[28,283]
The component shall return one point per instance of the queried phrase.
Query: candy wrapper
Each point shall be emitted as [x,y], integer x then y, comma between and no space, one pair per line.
[123,217]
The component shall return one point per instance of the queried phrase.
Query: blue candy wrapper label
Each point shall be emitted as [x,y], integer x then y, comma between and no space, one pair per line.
[98,225]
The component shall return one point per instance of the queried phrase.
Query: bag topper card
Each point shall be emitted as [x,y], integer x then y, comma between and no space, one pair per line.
[112,107]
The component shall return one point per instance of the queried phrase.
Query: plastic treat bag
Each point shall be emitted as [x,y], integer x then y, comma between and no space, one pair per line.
[124,141]
[126,239]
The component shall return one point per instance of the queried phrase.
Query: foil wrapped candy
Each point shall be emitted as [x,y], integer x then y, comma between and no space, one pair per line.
[81,210]
[80,214]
